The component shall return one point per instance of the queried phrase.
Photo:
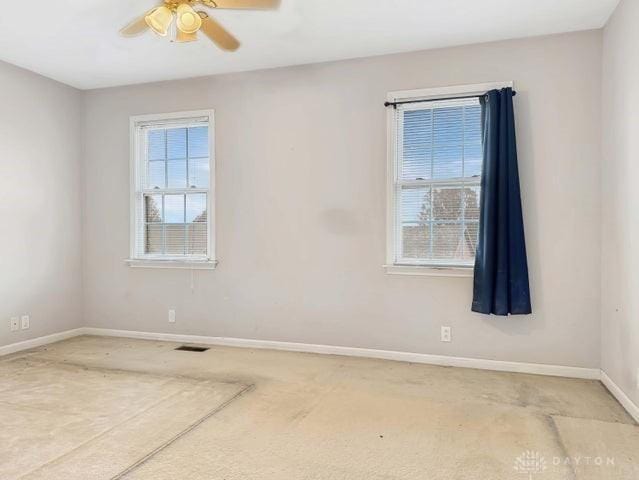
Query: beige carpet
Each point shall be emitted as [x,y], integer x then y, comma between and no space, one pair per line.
[67,421]
[100,408]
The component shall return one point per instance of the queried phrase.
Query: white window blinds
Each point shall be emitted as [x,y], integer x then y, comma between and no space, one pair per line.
[172,199]
[437,168]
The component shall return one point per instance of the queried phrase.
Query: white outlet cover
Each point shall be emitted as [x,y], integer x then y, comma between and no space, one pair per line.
[171,316]
[25,322]
[446,334]
[15,324]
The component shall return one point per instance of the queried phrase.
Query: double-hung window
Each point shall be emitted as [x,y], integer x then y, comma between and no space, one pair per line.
[172,196]
[435,161]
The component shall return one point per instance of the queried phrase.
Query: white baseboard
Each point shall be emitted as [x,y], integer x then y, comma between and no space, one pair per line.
[38,342]
[442,360]
[631,407]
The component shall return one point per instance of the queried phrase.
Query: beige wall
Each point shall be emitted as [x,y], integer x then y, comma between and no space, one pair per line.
[620,200]
[40,141]
[301,162]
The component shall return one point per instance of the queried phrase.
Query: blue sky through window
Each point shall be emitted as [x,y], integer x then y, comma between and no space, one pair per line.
[438,144]
[178,158]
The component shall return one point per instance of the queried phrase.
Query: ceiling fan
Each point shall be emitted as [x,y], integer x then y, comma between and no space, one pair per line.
[188,21]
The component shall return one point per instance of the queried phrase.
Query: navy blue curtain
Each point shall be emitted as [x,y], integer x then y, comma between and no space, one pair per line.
[501,268]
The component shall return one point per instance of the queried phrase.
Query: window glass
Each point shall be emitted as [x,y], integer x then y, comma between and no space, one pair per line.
[173,197]
[438,160]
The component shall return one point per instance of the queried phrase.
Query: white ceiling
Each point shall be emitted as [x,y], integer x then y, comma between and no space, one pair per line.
[77,41]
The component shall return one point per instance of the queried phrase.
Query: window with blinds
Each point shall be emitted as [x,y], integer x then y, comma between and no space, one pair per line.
[437,164]
[172,197]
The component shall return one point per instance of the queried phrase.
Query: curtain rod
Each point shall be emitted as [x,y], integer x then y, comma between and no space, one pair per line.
[394,104]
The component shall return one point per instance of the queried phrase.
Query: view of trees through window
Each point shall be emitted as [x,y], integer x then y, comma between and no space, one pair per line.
[447,226]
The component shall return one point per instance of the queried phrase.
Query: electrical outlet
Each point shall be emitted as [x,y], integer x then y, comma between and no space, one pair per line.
[26,321]
[15,324]
[171,316]
[446,334]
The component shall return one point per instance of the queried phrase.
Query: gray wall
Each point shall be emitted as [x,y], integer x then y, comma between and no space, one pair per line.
[620,200]
[40,141]
[301,162]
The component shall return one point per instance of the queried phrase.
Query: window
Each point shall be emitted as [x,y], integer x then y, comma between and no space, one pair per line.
[435,160]
[172,200]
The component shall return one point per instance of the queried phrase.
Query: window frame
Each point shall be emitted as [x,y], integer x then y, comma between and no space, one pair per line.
[137,160]
[437,93]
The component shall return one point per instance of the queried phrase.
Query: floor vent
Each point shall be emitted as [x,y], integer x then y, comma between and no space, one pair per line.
[189,348]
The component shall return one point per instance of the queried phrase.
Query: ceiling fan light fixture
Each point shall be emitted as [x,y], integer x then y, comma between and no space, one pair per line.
[189,23]
[159,20]
[181,37]
[188,20]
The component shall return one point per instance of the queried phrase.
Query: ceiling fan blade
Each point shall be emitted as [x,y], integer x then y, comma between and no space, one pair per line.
[136,27]
[218,34]
[251,4]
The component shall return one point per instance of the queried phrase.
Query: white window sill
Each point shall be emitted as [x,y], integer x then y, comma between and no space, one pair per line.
[187,264]
[429,271]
